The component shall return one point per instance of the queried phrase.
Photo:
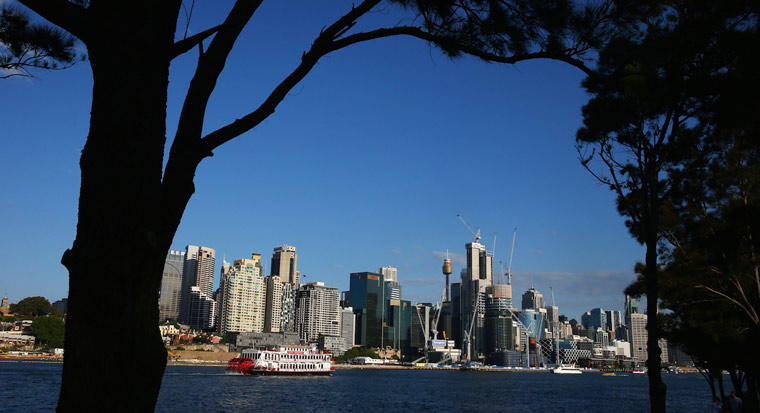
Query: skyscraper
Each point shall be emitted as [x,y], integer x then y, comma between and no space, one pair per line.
[532,299]
[170,295]
[392,286]
[243,297]
[317,311]
[197,271]
[475,279]
[368,302]
[201,309]
[597,318]
[347,326]
[284,264]
[273,311]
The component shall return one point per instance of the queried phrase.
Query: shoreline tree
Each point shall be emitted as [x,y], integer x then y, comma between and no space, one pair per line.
[130,205]
[653,98]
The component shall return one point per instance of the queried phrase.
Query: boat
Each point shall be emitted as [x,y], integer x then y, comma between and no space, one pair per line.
[639,371]
[283,360]
[566,369]
[609,373]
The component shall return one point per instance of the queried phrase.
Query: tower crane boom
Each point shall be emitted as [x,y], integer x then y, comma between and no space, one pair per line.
[476,235]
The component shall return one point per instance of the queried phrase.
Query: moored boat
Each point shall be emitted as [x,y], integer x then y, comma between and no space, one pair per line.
[566,369]
[283,360]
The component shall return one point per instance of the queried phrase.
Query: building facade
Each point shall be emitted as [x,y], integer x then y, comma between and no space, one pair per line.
[170,295]
[243,298]
[197,271]
[317,311]
[285,264]
[273,310]
[368,301]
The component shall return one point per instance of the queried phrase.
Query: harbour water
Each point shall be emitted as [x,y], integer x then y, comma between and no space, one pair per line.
[33,387]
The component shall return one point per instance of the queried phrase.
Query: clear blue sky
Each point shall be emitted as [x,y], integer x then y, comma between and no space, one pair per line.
[366,163]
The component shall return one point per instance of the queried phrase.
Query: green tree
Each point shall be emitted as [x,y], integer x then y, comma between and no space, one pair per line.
[48,330]
[130,47]
[357,352]
[653,100]
[33,306]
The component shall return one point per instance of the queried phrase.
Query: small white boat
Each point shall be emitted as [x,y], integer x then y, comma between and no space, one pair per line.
[566,369]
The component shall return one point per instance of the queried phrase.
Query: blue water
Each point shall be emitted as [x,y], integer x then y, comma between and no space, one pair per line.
[33,387]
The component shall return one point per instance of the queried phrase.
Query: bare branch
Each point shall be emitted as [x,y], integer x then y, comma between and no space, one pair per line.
[184,45]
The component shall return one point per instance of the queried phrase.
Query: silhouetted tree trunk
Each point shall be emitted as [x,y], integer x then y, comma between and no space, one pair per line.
[114,355]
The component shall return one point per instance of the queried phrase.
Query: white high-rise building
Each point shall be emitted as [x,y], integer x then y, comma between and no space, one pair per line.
[243,297]
[639,337]
[197,271]
[389,273]
[317,311]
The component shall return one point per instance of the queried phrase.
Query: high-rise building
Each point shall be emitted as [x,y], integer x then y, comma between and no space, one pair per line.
[456,314]
[499,327]
[197,271]
[613,319]
[288,307]
[476,278]
[398,324]
[632,306]
[201,309]
[597,319]
[638,327]
[273,311]
[317,311]
[368,302]
[532,299]
[552,320]
[389,273]
[243,297]
[284,264]
[170,295]
[347,327]
[534,322]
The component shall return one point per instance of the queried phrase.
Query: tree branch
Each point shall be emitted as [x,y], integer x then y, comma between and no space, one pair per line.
[184,45]
[62,13]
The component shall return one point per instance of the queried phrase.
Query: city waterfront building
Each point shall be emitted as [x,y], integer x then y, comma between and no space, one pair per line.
[170,294]
[348,327]
[197,271]
[288,307]
[500,328]
[317,311]
[597,319]
[389,273]
[201,309]
[273,309]
[243,299]
[285,263]
[398,325]
[476,278]
[532,299]
[614,319]
[639,336]
[368,301]
[533,322]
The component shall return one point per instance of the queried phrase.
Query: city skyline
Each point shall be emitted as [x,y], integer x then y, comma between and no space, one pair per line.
[387,143]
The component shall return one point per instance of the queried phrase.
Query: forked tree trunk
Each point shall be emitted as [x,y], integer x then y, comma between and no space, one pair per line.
[114,356]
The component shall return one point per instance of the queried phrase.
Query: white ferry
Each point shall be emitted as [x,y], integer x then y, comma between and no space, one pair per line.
[283,360]
[566,369]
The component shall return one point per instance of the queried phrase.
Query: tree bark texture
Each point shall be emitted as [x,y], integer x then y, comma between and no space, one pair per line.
[650,221]
[123,231]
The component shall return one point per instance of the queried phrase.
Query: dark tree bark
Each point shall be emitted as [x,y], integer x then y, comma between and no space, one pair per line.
[123,233]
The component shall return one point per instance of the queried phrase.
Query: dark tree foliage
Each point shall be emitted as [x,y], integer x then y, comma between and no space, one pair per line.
[665,121]
[123,158]
[48,331]
[358,352]
[33,306]
[25,45]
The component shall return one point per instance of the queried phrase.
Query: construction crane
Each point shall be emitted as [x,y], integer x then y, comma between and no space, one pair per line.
[476,235]
[509,268]
[467,339]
